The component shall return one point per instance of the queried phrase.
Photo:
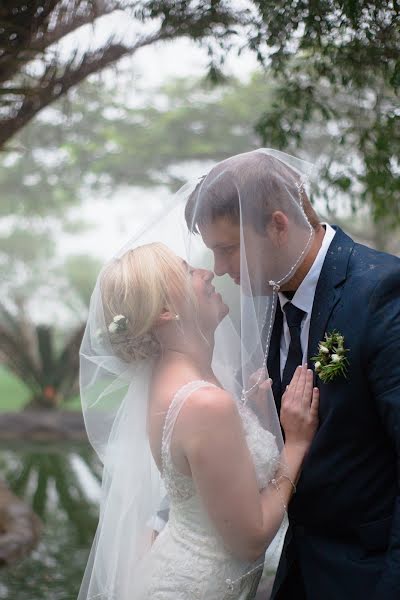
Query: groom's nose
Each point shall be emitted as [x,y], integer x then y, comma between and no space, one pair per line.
[219,267]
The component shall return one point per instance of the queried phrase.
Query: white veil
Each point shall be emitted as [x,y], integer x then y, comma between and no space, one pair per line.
[114,391]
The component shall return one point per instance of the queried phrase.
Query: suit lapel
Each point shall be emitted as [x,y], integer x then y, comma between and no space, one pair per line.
[329,288]
[327,294]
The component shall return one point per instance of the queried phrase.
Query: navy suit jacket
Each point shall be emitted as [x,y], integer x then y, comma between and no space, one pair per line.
[344,519]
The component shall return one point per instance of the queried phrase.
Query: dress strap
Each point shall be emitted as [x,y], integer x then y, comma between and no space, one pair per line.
[174,409]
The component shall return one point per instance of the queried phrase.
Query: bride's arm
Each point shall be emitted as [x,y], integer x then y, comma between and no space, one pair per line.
[213,440]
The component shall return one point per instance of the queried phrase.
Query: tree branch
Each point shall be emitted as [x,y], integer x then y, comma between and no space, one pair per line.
[54,84]
[46,37]
[59,78]
[19,29]
[75,22]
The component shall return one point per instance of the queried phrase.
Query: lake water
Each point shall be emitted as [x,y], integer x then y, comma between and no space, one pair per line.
[61,482]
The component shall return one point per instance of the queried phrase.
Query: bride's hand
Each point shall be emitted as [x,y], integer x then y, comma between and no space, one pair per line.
[299,410]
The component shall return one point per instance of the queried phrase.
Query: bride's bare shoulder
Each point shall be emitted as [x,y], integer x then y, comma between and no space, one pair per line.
[208,406]
[208,418]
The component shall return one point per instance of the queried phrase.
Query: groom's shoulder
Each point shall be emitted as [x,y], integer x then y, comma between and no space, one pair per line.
[373,259]
[368,263]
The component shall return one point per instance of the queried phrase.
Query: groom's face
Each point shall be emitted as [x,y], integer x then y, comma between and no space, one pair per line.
[265,252]
[222,237]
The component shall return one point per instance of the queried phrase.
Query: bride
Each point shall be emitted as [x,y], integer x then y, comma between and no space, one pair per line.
[165,418]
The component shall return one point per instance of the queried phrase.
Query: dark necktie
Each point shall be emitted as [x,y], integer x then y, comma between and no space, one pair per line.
[294,317]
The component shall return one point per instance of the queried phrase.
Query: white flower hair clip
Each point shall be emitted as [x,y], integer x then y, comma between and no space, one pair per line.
[118,324]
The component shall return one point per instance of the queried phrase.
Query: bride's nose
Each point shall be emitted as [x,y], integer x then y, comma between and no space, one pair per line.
[208,275]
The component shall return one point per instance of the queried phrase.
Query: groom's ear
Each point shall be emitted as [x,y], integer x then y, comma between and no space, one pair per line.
[278,228]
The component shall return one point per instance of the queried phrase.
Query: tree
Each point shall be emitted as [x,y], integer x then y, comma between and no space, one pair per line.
[44,355]
[336,63]
[30,352]
[34,71]
[337,69]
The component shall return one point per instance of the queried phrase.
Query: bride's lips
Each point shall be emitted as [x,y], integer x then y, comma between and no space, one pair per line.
[212,293]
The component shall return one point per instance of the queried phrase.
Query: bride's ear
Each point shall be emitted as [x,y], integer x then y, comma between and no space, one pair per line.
[166,317]
[278,228]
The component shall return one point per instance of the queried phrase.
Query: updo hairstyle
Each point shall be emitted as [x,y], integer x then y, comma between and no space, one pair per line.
[136,288]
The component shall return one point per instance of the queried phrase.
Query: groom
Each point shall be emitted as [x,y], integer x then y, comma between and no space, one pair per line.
[343,541]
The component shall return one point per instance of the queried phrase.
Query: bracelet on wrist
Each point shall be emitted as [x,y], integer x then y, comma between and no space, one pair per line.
[275,483]
[283,476]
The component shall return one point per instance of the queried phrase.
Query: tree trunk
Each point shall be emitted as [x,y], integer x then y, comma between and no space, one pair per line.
[44,401]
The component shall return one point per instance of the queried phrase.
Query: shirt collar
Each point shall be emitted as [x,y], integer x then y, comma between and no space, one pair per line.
[304,296]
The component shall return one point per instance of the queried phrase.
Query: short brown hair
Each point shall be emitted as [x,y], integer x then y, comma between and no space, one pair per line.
[269,183]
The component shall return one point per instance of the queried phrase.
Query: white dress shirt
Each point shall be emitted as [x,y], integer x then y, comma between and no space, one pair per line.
[304,299]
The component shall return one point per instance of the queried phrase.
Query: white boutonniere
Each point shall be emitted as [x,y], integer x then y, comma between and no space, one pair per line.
[331,360]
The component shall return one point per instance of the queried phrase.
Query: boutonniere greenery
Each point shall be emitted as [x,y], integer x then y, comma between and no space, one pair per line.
[331,360]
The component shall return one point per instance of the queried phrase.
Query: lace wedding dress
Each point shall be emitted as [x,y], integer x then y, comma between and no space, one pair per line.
[188,559]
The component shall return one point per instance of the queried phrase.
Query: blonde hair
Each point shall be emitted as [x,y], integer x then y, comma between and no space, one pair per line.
[140,285]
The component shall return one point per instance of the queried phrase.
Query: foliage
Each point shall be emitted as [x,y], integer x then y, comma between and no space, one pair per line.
[331,360]
[81,272]
[358,131]
[337,70]
[35,70]
[104,143]
[335,63]
[30,352]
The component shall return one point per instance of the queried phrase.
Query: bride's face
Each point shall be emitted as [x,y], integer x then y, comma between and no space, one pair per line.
[210,307]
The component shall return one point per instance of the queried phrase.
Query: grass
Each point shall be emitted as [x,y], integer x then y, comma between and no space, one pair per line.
[14,394]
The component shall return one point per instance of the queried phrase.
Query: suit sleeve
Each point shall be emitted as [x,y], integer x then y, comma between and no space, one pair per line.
[384,375]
